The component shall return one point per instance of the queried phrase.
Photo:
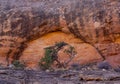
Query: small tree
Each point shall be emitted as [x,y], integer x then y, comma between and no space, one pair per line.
[51,55]
[46,61]
[71,52]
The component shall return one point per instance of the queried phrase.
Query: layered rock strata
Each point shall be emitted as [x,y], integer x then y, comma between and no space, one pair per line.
[94,22]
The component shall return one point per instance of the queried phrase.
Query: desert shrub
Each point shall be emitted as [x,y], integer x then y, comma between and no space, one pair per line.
[51,55]
[46,61]
[71,52]
[18,65]
[60,44]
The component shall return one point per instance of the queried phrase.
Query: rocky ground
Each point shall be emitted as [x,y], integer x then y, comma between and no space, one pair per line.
[88,74]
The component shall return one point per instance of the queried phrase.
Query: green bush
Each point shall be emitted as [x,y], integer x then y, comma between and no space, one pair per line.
[46,61]
[51,55]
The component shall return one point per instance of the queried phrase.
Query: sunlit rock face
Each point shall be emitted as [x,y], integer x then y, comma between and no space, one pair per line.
[24,24]
[35,51]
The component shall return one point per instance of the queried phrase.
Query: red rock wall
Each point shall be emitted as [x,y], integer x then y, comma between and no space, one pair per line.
[95,22]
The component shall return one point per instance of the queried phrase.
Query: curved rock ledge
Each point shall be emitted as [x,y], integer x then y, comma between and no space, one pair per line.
[95,22]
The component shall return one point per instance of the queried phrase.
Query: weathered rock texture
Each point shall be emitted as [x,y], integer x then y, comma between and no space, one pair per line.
[11,76]
[95,25]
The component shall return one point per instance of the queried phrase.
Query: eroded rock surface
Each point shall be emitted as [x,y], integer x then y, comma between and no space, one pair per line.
[95,22]
[85,75]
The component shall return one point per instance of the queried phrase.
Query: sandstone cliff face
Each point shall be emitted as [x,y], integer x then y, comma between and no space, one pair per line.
[94,23]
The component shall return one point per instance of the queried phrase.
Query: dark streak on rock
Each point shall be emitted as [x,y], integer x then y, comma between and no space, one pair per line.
[19,51]
[8,55]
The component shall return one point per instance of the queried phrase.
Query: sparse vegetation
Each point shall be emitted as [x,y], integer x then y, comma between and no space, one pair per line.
[51,55]
[18,65]
[71,52]
[47,60]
